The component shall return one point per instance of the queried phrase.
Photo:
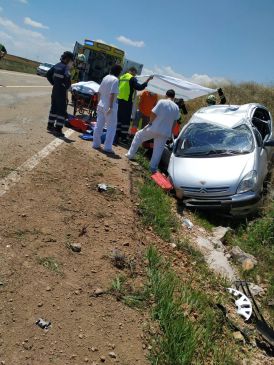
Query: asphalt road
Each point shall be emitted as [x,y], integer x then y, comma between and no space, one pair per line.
[24,107]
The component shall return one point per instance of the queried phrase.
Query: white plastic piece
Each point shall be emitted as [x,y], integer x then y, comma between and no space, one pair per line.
[243,304]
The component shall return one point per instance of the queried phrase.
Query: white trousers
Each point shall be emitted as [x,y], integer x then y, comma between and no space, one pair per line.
[146,134]
[110,122]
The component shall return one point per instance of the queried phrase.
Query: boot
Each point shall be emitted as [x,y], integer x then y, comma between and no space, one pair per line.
[58,131]
[50,127]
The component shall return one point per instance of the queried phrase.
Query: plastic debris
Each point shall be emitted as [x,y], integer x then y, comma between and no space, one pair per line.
[243,304]
[102,187]
[43,324]
[188,223]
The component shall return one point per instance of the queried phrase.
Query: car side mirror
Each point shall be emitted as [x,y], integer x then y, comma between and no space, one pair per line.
[269,143]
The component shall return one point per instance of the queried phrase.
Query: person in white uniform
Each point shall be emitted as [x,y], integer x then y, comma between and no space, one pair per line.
[163,117]
[107,109]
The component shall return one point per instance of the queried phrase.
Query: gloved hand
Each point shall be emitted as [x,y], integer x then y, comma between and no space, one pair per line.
[220,92]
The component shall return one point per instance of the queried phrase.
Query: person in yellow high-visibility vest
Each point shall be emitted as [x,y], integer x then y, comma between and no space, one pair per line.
[127,86]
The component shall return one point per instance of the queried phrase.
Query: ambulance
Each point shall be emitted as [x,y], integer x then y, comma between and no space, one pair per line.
[100,57]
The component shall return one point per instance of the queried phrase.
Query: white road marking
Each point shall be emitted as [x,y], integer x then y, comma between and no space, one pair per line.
[15,176]
[24,86]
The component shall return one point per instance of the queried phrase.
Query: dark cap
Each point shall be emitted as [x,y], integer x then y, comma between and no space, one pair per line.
[67,55]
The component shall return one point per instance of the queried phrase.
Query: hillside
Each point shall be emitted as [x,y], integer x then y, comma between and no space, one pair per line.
[19,64]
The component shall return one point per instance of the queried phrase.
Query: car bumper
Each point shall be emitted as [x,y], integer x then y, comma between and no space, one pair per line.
[238,204]
[41,73]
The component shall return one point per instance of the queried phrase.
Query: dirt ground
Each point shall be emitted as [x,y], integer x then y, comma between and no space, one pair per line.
[55,205]
[40,218]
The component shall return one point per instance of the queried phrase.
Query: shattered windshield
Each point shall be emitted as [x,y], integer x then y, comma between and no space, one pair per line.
[205,139]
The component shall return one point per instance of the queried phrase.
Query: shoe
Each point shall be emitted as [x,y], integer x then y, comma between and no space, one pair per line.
[109,152]
[130,158]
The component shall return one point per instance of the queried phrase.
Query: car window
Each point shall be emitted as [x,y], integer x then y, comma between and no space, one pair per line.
[205,139]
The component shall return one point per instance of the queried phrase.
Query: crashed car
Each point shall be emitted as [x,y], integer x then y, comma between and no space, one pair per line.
[43,69]
[222,158]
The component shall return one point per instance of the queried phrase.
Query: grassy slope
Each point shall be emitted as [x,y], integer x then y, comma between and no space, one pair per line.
[19,64]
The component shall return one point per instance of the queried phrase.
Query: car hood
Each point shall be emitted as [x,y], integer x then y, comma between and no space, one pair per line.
[211,171]
[43,68]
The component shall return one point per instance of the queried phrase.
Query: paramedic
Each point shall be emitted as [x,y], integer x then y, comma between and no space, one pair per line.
[163,117]
[127,86]
[3,51]
[211,99]
[107,109]
[147,102]
[59,77]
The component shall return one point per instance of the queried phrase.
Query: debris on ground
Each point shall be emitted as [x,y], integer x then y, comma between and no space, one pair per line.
[83,231]
[75,247]
[102,187]
[162,181]
[119,259]
[43,324]
[243,304]
[98,292]
[188,223]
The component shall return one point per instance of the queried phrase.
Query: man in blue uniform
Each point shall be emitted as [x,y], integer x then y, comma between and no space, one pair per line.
[59,77]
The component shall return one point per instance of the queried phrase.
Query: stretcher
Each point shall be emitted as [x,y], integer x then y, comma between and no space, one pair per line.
[85,98]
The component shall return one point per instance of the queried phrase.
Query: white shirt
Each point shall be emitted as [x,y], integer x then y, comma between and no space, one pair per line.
[109,85]
[166,113]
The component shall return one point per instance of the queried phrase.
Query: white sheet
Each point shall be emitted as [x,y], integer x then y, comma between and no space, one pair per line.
[183,89]
[159,85]
[86,87]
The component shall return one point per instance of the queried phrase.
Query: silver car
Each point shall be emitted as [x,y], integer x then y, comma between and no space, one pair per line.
[43,69]
[222,158]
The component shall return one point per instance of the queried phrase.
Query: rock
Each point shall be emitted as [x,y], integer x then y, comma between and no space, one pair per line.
[48,288]
[248,265]
[271,302]
[98,292]
[76,247]
[112,355]
[238,337]
[240,256]
[173,245]
[220,233]
[40,305]
[86,359]
[256,289]
[81,336]
[102,358]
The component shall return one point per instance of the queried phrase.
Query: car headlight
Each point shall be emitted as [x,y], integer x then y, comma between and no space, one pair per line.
[248,182]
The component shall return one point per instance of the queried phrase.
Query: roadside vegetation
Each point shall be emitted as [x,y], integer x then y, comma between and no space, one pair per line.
[13,63]
[188,327]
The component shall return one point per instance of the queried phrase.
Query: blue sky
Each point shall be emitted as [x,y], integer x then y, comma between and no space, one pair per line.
[197,39]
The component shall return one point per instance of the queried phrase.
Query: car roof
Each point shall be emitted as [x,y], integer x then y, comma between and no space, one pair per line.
[225,115]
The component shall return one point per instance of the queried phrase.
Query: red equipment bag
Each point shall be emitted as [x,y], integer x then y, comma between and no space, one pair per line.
[79,124]
[162,181]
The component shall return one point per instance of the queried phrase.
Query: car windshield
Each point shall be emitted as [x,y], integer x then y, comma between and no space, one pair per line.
[47,65]
[205,139]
